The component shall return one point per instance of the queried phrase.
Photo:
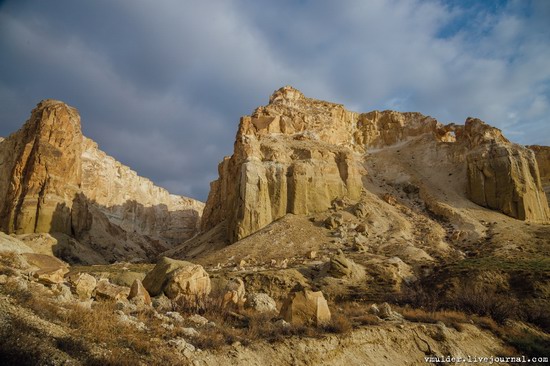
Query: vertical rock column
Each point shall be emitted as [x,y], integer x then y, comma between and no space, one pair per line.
[43,175]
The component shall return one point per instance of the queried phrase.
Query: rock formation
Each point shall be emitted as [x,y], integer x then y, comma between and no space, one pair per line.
[297,155]
[501,175]
[542,154]
[55,180]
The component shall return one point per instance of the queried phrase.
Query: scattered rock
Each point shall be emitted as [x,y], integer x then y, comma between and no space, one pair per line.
[162,303]
[303,306]
[175,316]
[197,319]
[361,210]
[139,295]
[189,332]
[361,228]
[234,293]
[374,310]
[260,302]
[334,221]
[63,293]
[83,285]
[387,313]
[390,199]
[177,278]
[342,267]
[182,346]
[106,290]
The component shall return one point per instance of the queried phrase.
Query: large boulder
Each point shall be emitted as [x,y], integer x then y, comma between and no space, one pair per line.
[305,307]
[177,278]
[46,269]
[83,285]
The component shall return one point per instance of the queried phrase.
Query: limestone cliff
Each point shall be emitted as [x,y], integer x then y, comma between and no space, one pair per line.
[296,155]
[53,179]
[290,157]
[40,171]
[502,175]
[542,154]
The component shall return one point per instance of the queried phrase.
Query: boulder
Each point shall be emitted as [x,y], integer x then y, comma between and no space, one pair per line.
[386,313]
[107,291]
[260,302]
[177,278]
[46,269]
[139,295]
[234,293]
[83,285]
[342,267]
[305,307]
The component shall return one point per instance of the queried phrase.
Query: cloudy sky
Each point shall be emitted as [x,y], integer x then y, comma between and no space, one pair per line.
[160,85]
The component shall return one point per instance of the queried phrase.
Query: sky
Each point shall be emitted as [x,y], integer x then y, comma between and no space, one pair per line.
[161,85]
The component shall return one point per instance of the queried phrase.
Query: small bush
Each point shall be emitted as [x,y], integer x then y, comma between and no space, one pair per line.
[339,324]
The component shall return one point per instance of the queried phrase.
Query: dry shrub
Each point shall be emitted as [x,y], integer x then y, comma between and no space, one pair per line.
[450,318]
[366,319]
[339,324]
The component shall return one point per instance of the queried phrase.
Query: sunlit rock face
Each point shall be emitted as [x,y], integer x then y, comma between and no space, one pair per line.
[297,154]
[55,180]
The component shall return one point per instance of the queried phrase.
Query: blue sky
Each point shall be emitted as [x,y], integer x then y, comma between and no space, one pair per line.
[161,85]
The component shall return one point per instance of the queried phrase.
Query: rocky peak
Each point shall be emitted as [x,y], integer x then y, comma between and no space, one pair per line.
[286,94]
[36,162]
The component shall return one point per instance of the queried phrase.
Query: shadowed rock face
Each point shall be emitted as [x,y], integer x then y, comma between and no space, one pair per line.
[54,180]
[296,155]
[542,154]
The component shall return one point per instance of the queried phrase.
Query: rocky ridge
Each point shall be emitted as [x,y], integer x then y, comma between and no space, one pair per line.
[55,180]
[297,155]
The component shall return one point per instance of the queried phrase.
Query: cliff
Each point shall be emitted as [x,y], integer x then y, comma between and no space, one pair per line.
[55,180]
[297,155]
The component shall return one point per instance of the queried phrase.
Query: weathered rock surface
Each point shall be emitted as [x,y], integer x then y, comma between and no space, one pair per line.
[297,155]
[503,176]
[54,180]
[177,278]
[108,291]
[46,269]
[304,306]
[289,157]
[83,285]
[10,243]
[260,302]
[542,155]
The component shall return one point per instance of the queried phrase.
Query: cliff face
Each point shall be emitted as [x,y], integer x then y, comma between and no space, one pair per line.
[296,155]
[291,156]
[503,176]
[542,155]
[40,171]
[53,179]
